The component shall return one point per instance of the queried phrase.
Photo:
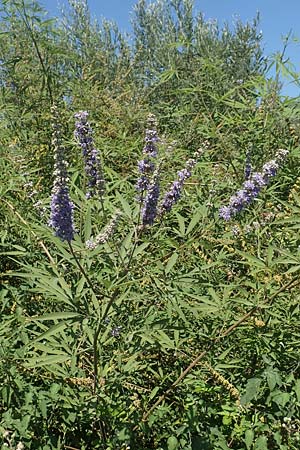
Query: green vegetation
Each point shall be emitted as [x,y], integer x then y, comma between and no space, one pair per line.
[184,334]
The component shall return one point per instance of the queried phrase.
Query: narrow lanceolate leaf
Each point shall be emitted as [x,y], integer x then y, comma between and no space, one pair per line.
[194,221]
[140,248]
[55,329]
[252,260]
[171,263]
[58,316]
[125,205]
[47,360]
[181,224]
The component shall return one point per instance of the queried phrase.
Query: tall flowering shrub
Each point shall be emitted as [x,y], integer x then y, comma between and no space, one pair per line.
[61,217]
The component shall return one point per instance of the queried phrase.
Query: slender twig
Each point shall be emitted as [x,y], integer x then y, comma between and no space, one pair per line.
[294,282]
[96,336]
[137,232]
[119,254]
[39,241]
[97,332]
[34,41]
[87,278]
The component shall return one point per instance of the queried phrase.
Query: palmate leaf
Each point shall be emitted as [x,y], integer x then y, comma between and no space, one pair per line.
[50,283]
[164,339]
[47,349]
[126,244]
[177,305]
[52,331]
[55,335]
[203,304]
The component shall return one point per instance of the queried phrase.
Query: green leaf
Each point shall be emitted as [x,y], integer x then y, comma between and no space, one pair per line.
[281,399]
[125,205]
[261,443]
[43,407]
[252,389]
[55,329]
[153,393]
[47,360]
[194,221]
[273,379]
[126,244]
[252,260]
[297,389]
[164,339]
[140,248]
[167,75]
[58,315]
[249,436]
[181,224]
[172,443]
[49,349]
[171,263]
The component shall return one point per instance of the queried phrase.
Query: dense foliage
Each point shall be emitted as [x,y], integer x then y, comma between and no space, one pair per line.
[141,315]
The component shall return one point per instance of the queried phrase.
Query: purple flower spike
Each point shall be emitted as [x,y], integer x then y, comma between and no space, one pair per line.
[62,213]
[146,166]
[61,218]
[225,213]
[252,186]
[173,195]
[149,210]
[93,168]
[270,169]
[151,138]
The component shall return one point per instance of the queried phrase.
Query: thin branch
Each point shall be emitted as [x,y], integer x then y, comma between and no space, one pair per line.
[34,41]
[87,278]
[39,241]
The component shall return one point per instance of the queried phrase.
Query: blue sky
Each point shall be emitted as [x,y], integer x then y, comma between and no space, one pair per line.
[278,17]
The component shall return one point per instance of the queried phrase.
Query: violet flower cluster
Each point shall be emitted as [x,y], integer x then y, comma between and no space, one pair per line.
[146,166]
[252,187]
[147,185]
[106,234]
[61,217]
[174,193]
[93,168]
[149,209]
